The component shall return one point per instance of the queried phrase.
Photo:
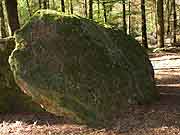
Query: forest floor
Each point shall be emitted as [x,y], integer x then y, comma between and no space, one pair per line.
[161,118]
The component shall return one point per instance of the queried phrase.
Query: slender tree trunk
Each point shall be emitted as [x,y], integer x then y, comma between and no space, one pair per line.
[40,4]
[2,21]
[12,12]
[48,4]
[152,20]
[28,6]
[45,4]
[98,5]
[160,21]
[85,8]
[105,12]
[109,11]
[68,10]
[144,33]
[168,16]
[156,17]
[129,17]
[174,22]
[71,6]
[53,4]
[90,9]
[124,17]
[62,6]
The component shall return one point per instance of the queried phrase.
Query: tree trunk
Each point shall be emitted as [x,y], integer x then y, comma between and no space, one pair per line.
[174,22]
[12,13]
[124,17]
[48,4]
[98,5]
[62,6]
[160,23]
[129,17]
[2,21]
[156,20]
[85,8]
[53,4]
[45,4]
[144,33]
[28,6]
[105,12]
[40,4]
[90,9]
[71,6]
[168,16]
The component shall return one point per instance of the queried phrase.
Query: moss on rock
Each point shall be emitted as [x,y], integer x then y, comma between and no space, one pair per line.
[75,67]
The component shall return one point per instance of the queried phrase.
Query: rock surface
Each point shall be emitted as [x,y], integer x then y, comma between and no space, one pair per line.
[12,99]
[74,67]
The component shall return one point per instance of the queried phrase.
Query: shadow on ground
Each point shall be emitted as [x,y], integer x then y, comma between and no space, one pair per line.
[160,118]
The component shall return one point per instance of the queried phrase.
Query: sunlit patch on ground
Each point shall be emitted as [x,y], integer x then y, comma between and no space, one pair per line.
[167,73]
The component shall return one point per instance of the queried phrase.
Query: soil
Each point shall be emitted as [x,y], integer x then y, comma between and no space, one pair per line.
[160,118]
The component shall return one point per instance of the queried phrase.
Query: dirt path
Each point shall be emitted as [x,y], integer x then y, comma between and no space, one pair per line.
[167,74]
[161,118]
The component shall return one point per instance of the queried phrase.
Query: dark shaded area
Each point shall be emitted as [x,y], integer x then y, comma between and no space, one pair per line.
[12,13]
[12,99]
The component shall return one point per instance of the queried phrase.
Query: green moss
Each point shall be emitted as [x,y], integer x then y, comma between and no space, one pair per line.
[73,65]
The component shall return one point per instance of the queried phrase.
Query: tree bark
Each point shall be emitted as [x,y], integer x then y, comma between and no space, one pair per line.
[62,6]
[156,20]
[45,4]
[98,5]
[143,24]
[124,17]
[90,9]
[71,6]
[168,16]
[53,4]
[85,8]
[160,23]
[40,4]
[2,22]
[12,13]
[129,17]
[105,12]
[48,4]
[174,22]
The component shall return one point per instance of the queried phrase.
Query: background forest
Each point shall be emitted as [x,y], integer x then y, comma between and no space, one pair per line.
[154,20]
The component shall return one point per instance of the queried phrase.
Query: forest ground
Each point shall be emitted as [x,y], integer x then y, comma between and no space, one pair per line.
[161,118]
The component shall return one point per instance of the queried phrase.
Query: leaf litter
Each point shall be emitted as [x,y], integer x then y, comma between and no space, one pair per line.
[160,118]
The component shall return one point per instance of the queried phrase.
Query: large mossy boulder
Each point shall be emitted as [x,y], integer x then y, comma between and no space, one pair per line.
[74,67]
[12,99]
